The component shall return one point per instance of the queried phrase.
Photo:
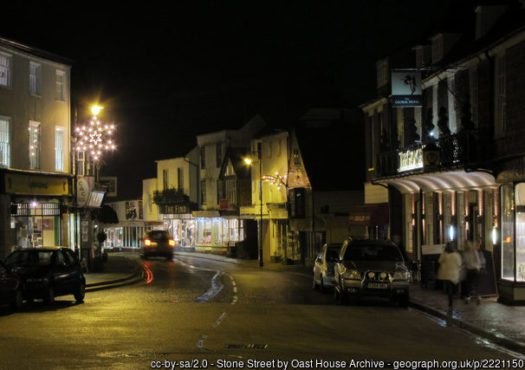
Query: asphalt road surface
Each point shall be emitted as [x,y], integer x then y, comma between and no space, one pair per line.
[203,313]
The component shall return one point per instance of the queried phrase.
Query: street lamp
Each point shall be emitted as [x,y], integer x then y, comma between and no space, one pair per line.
[249,162]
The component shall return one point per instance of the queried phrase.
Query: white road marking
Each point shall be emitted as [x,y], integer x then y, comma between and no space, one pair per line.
[219,320]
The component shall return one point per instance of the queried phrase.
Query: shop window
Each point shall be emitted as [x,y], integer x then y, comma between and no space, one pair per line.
[507,232]
[520,231]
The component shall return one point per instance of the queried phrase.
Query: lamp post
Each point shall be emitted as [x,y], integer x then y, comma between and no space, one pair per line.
[249,162]
[91,140]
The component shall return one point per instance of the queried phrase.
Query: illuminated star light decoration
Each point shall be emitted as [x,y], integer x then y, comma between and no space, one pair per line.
[95,138]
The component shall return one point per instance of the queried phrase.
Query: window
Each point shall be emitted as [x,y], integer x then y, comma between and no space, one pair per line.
[203,191]
[180,179]
[5,149]
[218,154]
[5,70]
[34,145]
[203,157]
[60,85]
[59,149]
[165,179]
[35,71]
[382,73]
[501,118]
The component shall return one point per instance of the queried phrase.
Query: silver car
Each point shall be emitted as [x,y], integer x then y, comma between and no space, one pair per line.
[371,268]
[324,266]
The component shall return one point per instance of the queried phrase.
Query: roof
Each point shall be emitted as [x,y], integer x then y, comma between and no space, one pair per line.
[236,156]
[333,152]
[510,23]
[34,51]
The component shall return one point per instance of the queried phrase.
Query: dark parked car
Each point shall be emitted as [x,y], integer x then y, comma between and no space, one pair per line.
[10,288]
[324,266]
[371,268]
[158,243]
[47,273]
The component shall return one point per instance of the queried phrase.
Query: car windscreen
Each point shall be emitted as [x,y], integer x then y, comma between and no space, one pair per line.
[29,258]
[332,254]
[158,235]
[372,253]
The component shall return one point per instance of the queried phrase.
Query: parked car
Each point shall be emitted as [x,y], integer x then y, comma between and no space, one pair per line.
[371,268]
[10,288]
[48,272]
[158,243]
[324,266]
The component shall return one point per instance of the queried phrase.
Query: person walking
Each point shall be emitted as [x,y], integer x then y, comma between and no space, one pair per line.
[449,270]
[474,262]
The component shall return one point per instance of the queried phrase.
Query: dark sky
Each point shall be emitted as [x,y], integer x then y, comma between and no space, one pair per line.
[167,71]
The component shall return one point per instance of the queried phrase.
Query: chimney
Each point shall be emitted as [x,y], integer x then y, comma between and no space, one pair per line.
[486,18]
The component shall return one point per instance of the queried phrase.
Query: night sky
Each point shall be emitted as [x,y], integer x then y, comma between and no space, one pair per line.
[166,71]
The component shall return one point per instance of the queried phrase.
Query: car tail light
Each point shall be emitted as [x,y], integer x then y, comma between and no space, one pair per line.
[171,242]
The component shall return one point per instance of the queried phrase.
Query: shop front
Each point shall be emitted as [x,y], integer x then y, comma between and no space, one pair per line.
[447,206]
[216,232]
[182,228]
[34,210]
[511,237]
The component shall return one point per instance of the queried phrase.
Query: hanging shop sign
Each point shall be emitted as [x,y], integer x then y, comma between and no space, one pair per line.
[29,184]
[406,88]
[410,160]
[85,185]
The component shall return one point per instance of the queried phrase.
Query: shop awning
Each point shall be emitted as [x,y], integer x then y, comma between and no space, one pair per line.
[106,215]
[369,215]
[440,181]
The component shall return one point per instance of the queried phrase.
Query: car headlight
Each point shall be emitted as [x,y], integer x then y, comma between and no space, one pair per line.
[352,275]
[401,275]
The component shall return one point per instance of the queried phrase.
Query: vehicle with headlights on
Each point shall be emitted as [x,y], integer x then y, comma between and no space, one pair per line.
[323,269]
[371,268]
[48,272]
[158,243]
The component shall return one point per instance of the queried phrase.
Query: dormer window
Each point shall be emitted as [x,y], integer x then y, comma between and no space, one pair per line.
[382,73]
[437,48]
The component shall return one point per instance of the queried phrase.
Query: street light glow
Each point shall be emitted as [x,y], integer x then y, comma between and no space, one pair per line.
[248,161]
[96,109]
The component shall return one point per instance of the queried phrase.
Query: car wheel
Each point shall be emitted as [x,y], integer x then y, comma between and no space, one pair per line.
[80,293]
[18,300]
[49,298]
[404,300]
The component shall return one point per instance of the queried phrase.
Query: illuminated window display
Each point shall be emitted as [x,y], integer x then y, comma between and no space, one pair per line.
[218,231]
[513,232]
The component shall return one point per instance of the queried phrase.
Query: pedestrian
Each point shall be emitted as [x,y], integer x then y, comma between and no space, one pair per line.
[473,262]
[450,270]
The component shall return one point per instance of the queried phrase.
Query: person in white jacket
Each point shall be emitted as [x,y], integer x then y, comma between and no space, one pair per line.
[450,270]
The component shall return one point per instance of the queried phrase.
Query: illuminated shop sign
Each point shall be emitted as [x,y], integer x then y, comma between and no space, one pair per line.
[406,88]
[410,160]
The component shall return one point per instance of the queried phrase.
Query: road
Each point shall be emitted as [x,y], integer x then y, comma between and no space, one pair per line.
[224,315]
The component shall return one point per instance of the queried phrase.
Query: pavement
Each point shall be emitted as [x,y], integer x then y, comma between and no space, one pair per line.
[118,270]
[501,324]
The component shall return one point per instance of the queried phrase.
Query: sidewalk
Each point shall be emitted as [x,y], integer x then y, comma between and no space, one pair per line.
[501,324]
[118,270]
